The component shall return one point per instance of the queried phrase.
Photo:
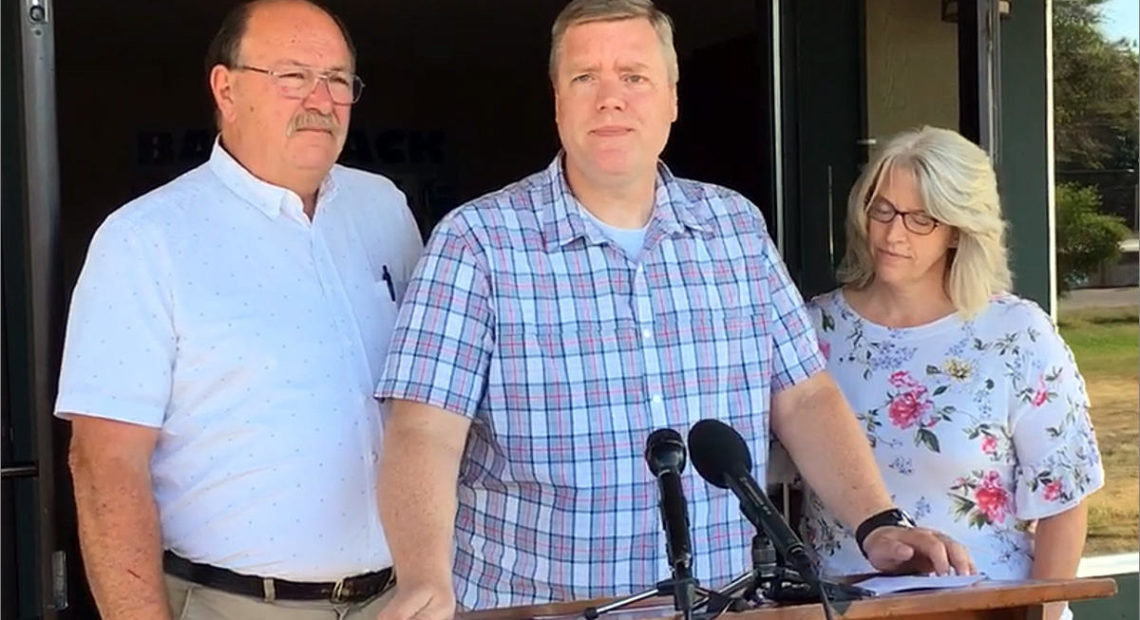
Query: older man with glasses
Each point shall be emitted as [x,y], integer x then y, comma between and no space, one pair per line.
[224,341]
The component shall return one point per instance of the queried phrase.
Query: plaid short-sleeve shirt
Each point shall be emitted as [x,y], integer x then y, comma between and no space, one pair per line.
[566,353]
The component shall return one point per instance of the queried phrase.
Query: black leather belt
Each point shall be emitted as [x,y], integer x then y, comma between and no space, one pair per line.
[348,590]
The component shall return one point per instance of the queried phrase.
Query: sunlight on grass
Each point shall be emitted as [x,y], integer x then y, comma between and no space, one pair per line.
[1106,344]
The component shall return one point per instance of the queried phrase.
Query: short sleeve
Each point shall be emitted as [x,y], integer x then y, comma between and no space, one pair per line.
[795,349]
[1058,462]
[443,339]
[119,348]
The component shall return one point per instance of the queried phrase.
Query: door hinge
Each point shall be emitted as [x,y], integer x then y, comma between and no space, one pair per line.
[38,11]
[59,580]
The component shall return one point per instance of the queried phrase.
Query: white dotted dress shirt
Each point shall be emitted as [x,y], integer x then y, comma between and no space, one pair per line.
[213,309]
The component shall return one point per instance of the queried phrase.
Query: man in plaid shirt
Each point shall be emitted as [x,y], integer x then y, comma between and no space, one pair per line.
[552,325]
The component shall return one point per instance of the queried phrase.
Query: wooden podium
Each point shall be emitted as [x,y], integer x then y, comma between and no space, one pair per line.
[987,600]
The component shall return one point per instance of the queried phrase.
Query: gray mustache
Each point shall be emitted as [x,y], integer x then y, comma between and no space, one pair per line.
[313,120]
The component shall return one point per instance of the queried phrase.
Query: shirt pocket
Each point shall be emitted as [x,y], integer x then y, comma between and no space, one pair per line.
[555,370]
[556,391]
[386,292]
[719,345]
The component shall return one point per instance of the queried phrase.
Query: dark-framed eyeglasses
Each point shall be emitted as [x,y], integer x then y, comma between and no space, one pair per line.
[298,82]
[917,222]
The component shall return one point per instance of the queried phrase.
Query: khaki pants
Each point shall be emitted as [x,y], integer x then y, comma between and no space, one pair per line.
[190,601]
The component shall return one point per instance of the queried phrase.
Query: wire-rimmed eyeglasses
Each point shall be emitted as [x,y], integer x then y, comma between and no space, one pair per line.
[298,82]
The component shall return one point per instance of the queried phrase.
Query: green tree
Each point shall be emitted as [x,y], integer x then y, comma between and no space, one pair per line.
[1086,238]
[1095,85]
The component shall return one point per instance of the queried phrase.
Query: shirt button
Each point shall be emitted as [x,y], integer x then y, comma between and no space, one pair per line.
[646,333]
[656,399]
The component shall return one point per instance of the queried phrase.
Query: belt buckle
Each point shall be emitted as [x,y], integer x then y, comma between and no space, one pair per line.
[338,594]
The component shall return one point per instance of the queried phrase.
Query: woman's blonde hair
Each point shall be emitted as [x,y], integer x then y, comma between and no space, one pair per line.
[958,188]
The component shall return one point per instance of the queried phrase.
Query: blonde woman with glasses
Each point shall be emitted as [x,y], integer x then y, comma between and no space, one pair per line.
[971,401]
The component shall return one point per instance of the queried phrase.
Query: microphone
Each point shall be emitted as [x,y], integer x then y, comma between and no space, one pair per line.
[665,454]
[723,460]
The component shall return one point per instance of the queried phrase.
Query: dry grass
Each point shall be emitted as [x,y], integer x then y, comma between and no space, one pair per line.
[1106,343]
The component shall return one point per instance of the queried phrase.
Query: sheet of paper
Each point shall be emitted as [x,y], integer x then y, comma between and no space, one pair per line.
[885,584]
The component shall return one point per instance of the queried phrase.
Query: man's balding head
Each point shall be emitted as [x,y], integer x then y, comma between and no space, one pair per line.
[225,49]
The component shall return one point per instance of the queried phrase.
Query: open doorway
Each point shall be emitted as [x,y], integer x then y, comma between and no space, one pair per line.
[456,101]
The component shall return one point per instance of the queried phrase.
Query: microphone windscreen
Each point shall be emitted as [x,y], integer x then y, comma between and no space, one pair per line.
[665,448]
[717,451]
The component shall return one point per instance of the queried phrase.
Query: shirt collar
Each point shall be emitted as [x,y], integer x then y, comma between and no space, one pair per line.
[268,198]
[563,222]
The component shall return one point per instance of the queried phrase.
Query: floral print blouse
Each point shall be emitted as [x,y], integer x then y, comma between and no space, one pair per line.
[979,427]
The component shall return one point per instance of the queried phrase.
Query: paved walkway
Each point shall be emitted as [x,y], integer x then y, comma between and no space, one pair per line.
[1116,564]
[1100,298]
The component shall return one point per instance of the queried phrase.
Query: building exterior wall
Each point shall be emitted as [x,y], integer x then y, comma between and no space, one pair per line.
[1025,172]
[912,66]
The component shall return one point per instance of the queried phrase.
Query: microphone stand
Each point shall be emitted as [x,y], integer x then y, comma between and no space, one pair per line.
[771,580]
[682,588]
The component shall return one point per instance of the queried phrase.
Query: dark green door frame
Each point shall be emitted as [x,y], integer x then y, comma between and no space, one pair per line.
[979,73]
[1013,122]
[824,129]
[1025,169]
[33,316]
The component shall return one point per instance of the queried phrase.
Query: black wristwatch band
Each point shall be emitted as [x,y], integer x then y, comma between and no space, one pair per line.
[892,517]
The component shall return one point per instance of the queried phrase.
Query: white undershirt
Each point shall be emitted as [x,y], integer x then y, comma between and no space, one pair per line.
[630,240]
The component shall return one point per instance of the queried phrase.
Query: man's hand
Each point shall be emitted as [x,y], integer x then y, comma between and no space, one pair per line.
[420,602]
[916,550]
